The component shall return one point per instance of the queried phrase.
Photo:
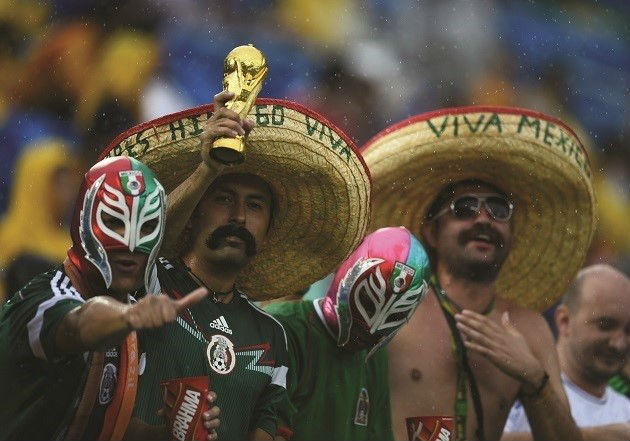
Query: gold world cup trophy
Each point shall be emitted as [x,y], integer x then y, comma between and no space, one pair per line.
[244,70]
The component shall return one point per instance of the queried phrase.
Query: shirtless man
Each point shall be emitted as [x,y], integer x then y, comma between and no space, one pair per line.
[512,347]
[476,344]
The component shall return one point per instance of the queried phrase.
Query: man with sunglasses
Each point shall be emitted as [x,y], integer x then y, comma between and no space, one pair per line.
[506,221]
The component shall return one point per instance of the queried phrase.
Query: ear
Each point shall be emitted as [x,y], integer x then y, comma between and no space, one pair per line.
[429,232]
[562,318]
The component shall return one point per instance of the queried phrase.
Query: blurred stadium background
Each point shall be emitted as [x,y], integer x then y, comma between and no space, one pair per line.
[75,73]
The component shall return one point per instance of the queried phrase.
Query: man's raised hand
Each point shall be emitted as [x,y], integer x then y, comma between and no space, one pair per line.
[223,123]
[153,311]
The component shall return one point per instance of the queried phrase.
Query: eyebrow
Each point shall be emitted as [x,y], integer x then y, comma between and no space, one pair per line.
[256,196]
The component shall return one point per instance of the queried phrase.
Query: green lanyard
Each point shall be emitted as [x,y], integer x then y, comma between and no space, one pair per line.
[464,373]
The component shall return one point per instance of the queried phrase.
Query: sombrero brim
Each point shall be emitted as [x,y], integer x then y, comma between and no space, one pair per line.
[321,186]
[535,158]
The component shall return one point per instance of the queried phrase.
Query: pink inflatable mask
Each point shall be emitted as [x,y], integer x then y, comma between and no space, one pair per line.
[377,289]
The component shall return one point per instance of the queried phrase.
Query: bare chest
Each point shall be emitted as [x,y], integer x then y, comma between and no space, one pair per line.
[423,375]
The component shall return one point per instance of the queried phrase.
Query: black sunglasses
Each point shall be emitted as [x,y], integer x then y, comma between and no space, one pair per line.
[468,206]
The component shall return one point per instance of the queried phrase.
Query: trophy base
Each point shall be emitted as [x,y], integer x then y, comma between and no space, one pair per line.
[228,150]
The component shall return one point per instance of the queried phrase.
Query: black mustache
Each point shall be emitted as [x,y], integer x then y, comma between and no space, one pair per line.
[478,229]
[619,355]
[217,236]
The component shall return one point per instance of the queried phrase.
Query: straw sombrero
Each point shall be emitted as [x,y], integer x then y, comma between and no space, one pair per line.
[321,186]
[534,158]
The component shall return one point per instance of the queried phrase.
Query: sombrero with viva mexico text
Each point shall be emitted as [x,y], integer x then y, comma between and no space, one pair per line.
[536,159]
[320,183]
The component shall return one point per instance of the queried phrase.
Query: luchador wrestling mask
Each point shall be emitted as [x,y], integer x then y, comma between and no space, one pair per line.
[125,191]
[377,289]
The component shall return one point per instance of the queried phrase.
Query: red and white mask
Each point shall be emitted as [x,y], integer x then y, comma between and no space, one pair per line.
[126,191]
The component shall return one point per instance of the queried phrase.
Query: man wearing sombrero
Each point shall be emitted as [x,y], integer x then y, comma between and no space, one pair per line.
[503,200]
[285,217]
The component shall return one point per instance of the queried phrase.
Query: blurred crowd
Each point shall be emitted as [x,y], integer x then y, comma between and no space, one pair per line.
[74,74]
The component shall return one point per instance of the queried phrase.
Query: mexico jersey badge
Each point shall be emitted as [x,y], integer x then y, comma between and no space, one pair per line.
[221,354]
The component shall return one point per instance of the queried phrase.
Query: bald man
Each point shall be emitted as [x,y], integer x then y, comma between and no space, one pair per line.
[593,324]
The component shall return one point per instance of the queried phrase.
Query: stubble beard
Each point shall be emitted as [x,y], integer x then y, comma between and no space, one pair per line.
[478,270]
[588,367]
[475,270]
[227,262]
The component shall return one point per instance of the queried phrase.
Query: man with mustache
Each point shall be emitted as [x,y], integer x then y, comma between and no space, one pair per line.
[506,218]
[286,216]
[593,341]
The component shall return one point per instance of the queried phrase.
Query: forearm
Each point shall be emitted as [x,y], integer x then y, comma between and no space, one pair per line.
[609,432]
[549,416]
[182,202]
[98,324]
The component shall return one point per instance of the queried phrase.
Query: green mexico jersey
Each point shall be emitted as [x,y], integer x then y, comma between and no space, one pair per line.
[331,394]
[40,388]
[241,349]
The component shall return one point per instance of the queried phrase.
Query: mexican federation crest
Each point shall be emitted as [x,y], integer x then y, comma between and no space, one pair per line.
[221,354]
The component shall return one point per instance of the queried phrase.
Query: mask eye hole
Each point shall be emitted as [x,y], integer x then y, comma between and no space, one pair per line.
[113,223]
[367,302]
[148,227]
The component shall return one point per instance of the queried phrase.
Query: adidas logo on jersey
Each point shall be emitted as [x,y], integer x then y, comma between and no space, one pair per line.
[221,325]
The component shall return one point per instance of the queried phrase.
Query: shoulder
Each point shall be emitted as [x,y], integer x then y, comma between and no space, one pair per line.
[169,268]
[293,315]
[289,310]
[35,311]
[164,263]
[618,399]
[529,322]
[52,284]
[261,316]
[173,277]
[537,333]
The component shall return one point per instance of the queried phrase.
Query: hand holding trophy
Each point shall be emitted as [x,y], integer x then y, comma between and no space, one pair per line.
[244,70]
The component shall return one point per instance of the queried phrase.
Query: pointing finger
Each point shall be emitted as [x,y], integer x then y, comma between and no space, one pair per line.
[190,299]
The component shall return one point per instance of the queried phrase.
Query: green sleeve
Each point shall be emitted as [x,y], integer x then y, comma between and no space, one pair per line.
[267,407]
[30,319]
[287,409]
[380,425]
[291,315]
